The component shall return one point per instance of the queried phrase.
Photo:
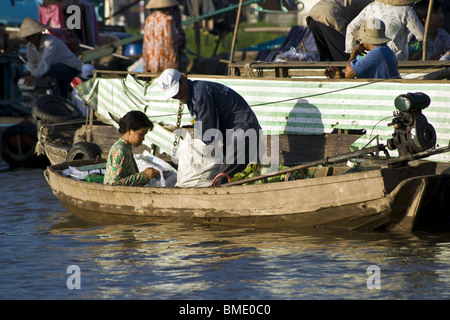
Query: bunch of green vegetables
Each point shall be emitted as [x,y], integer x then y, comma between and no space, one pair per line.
[257,169]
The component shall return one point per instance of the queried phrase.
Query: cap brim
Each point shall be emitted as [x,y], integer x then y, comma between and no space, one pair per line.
[172,91]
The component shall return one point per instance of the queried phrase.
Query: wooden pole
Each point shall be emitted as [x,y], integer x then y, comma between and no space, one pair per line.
[345,157]
[236,26]
[425,36]
[326,161]
[197,28]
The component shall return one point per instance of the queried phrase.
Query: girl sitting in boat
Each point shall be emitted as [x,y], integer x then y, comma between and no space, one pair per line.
[121,168]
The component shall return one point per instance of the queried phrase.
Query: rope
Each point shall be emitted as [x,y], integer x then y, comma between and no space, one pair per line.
[373,128]
[39,148]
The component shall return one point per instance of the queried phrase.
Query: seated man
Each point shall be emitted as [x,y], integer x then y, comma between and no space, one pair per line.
[48,56]
[379,62]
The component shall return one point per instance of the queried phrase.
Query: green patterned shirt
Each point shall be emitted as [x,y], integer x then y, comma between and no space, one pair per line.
[121,169]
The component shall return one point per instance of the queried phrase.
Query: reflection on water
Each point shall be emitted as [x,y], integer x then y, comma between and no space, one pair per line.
[39,240]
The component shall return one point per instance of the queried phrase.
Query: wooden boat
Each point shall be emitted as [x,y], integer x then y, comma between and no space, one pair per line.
[381,198]
[388,198]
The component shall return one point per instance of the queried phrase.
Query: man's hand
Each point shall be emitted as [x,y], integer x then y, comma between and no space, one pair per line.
[29,80]
[359,49]
[334,72]
[151,173]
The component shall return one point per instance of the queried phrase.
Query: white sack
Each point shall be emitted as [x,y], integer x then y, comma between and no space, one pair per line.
[146,160]
[195,167]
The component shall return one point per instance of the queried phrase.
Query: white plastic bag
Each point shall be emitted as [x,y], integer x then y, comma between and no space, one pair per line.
[446,56]
[195,167]
[76,174]
[146,160]
[293,55]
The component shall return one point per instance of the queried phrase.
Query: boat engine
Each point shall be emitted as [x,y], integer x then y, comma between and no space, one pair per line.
[412,132]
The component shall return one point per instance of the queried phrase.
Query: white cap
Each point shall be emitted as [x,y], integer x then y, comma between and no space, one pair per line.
[87,71]
[169,81]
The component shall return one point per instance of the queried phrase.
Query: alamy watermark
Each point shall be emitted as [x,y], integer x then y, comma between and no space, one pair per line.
[74,280]
[240,146]
[74,20]
[374,279]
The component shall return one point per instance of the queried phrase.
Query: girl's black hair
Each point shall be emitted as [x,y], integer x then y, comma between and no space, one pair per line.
[134,120]
[421,8]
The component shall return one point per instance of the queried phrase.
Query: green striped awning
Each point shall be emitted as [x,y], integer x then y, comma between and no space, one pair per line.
[288,106]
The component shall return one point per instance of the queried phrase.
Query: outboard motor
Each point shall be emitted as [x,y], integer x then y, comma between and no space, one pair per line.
[412,132]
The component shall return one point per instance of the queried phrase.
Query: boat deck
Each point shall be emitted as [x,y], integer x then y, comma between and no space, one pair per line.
[315,69]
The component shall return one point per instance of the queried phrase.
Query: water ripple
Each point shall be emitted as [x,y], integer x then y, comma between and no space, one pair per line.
[39,240]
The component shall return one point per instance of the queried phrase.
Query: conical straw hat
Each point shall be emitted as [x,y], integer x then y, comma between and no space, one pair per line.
[397,2]
[30,26]
[155,4]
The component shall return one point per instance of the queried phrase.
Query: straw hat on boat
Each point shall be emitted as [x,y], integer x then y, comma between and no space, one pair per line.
[397,2]
[155,4]
[30,26]
[371,32]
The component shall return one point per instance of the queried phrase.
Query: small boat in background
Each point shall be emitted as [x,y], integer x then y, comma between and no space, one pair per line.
[18,143]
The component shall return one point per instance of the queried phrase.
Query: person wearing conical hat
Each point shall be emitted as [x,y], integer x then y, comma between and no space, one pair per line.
[48,56]
[161,45]
[398,17]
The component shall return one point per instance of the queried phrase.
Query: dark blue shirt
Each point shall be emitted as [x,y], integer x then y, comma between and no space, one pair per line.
[378,63]
[219,107]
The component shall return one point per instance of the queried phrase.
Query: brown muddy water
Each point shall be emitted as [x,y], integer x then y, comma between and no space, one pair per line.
[45,253]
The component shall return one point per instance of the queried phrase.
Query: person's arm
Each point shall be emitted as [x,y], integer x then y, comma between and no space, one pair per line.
[32,60]
[334,72]
[31,65]
[146,43]
[414,25]
[171,34]
[207,114]
[446,37]
[350,41]
[116,172]
[349,72]
[50,52]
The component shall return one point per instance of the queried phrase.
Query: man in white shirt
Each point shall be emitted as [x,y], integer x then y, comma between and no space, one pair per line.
[48,56]
[398,17]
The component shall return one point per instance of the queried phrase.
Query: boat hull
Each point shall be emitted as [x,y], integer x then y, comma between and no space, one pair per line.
[365,201]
